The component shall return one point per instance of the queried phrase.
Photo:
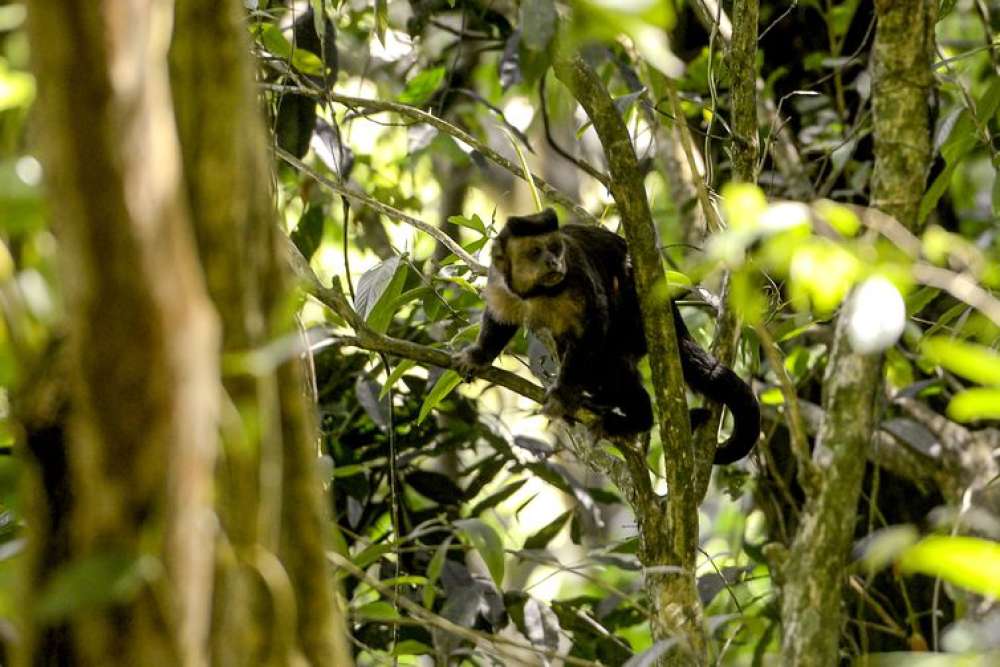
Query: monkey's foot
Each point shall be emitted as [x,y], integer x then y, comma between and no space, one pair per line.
[468,363]
[561,402]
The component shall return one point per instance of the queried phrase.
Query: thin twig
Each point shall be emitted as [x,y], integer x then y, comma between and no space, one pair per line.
[498,643]
[580,163]
[808,474]
[551,193]
[384,209]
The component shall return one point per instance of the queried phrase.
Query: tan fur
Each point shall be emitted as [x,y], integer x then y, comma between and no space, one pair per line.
[527,272]
[558,314]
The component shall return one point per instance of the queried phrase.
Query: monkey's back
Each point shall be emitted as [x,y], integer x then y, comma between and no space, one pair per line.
[604,256]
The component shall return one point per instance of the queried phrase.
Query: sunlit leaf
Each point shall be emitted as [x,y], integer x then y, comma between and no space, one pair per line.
[547,533]
[475,222]
[420,88]
[444,386]
[381,19]
[376,290]
[840,217]
[969,562]
[973,404]
[743,204]
[379,610]
[822,273]
[975,362]
[399,371]
[17,89]
[274,41]
[411,647]
[772,396]
[489,545]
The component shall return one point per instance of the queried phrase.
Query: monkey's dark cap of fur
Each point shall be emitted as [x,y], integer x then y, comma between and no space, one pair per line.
[533,225]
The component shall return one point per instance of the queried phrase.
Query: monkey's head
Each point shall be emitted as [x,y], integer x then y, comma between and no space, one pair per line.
[530,252]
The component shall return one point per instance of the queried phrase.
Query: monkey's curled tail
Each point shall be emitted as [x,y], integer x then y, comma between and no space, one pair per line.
[705,375]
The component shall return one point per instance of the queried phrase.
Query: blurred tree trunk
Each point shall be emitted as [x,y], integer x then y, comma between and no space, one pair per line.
[815,569]
[275,589]
[142,360]
[119,504]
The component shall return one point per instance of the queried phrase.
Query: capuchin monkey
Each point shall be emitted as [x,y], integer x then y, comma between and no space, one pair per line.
[576,283]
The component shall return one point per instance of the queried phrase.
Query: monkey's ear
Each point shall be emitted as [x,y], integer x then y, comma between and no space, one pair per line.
[532,225]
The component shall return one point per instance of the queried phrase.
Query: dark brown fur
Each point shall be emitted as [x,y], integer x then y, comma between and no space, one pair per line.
[575,283]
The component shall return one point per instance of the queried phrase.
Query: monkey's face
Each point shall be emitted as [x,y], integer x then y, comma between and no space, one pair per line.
[535,261]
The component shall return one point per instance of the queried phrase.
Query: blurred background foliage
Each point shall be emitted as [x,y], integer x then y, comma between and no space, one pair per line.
[500,530]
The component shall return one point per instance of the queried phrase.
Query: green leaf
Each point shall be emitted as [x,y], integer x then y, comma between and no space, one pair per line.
[935,191]
[772,396]
[475,222]
[975,362]
[996,193]
[487,543]
[308,234]
[973,404]
[537,21]
[381,19]
[411,647]
[420,88]
[377,289]
[495,499]
[17,89]
[274,41]
[370,554]
[541,539]
[434,571]
[405,580]
[968,562]
[396,374]
[379,610]
[319,13]
[95,582]
[444,386]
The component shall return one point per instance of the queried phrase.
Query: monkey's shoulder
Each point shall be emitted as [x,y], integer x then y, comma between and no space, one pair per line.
[595,240]
[561,314]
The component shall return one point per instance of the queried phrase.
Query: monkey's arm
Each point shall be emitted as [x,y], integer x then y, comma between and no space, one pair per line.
[580,358]
[566,393]
[493,338]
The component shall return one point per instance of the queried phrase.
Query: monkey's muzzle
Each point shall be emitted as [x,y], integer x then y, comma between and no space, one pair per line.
[553,278]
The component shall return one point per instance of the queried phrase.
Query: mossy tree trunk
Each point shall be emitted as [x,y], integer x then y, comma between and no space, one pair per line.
[668,534]
[276,585]
[815,567]
[158,217]
[142,353]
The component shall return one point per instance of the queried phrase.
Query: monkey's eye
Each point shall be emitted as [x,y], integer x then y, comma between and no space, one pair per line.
[555,248]
[535,253]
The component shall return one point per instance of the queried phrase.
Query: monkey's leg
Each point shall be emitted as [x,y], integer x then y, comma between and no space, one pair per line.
[629,410]
[493,338]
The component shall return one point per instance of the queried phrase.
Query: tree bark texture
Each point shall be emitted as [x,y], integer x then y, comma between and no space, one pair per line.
[278,592]
[142,335]
[814,573]
[667,538]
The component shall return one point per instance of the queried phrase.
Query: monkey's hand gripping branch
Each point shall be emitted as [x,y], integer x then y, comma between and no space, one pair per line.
[364,337]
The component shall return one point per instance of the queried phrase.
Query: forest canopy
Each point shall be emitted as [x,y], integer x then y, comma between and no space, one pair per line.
[244,244]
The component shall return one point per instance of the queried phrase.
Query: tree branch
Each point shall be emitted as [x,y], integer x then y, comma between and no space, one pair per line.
[667,538]
[384,209]
[550,193]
